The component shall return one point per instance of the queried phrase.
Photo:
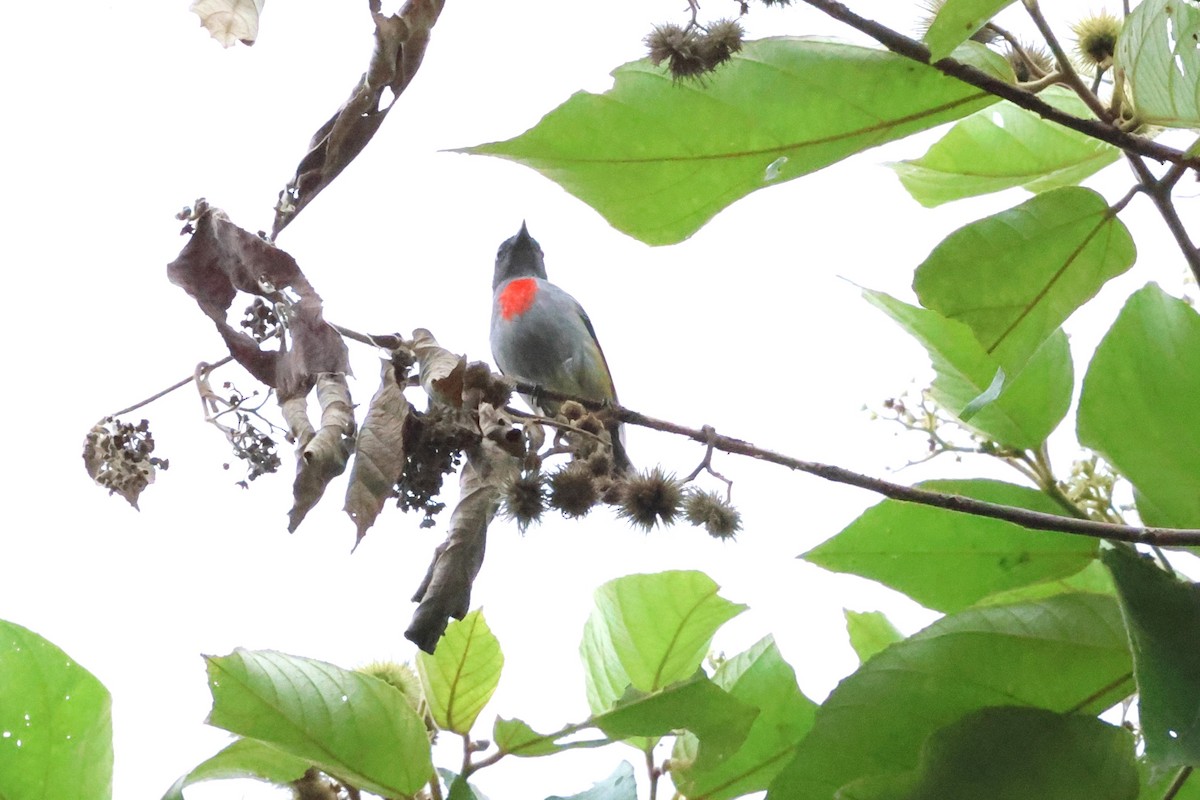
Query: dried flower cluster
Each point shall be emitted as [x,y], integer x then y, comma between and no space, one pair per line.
[693,50]
[117,457]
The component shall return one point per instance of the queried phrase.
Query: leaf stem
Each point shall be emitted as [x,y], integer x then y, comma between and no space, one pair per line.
[1176,786]
[1070,76]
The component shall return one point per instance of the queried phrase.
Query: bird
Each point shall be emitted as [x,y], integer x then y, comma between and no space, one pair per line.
[541,335]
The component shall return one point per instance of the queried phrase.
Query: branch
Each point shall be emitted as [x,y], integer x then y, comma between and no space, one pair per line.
[1159,192]
[911,48]
[1036,520]
[177,385]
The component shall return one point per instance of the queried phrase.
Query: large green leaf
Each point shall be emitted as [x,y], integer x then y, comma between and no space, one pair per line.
[620,785]
[761,678]
[462,673]
[1016,276]
[1092,579]
[956,20]
[946,560]
[1138,405]
[1030,404]
[1162,614]
[658,158]
[55,723]
[649,631]
[1006,146]
[1158,55]
[353,726]
[718,719]
[870,632]
[1012,753]
[245,758]
[1067,654]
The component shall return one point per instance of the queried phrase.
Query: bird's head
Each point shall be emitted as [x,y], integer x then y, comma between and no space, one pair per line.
[519,257]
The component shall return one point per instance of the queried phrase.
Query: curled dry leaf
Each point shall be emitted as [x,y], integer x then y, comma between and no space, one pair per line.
[497,426]
[221,259]
[379,455]
[446,590]
[230,21]
[117,457]
[400,42]
[320,456]
[441,371]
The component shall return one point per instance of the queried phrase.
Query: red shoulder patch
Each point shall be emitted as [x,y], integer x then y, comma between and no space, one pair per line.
[517,297]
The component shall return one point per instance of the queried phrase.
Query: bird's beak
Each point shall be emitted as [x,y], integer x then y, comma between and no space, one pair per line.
[523,234]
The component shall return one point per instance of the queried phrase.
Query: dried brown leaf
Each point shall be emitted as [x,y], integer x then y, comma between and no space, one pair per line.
[379,456]
[321,455]
[400,42]
[446,590]
[441,371]
[117,458]
[230,21]
[221,259]
[497,426]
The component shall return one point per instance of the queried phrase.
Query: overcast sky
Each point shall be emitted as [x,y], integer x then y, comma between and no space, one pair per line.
[119,114]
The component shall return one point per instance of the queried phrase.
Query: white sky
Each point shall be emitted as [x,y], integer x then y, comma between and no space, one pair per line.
[120,114]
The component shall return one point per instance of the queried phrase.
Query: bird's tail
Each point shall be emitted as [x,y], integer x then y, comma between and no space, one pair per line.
[621,461]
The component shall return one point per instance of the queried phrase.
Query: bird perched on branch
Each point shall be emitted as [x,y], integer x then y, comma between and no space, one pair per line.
[540,334]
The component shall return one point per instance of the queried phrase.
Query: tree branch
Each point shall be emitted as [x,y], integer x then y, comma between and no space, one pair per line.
[1159,192]
[1036,520]
[910,48]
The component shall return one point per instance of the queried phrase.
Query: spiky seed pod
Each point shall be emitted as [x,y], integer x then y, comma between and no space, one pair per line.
[402,676]
[573,490]
[313,786]
[590,424]
[650,498]
[1096,39]
[723,39]
[525,499]
[600,463]
[769,3]
[664,41]
[572,411]
[719,518]
[679,47]
[1040,56]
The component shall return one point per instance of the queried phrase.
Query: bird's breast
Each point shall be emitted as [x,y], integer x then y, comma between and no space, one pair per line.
[516,297]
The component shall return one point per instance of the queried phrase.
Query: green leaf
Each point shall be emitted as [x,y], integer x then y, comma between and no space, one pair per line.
[1138,405]
[718,719]
[1092,579]
[1067,654]
[515,737]
[245,758]
[620,785]
[870,632]
[458,787]
[659,158]
[1006,146]
[1157,52]
[946,560]
[956,21]
[1030,405]
[649,631]
[1012,753]
[1016,276]
[462,673]
[761,678]
[1162,615]
[355,727]
[55,722]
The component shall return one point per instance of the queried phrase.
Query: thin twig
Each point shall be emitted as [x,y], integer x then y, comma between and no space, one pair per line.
[652,772]
[1159,192]
[1097,129]
[1018,48]
[171,388]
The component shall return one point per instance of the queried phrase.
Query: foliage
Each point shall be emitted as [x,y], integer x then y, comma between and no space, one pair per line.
[1055,611]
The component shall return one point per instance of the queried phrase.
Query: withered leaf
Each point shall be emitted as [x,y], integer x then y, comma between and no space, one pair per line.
[400,42]
[446,590]
[221,259]
[321,455]
[441,371]
[379,455]
[230,21]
